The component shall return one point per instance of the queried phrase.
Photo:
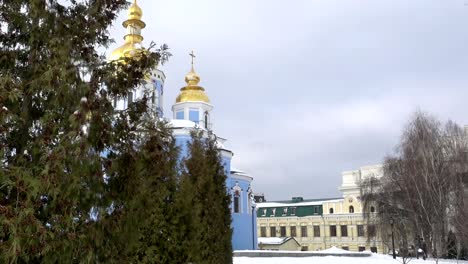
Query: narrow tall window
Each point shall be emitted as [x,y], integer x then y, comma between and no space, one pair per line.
[315,210]
[316,231]
[264,211]
[273,231]
[303,231]
[283,231]
[351,209]
[344,230]
[206,119]
[236,198]
[262,231]
[372,209]
[285,211]
[293,231]
[360,230]
[236,203]
[333,230]
[331,210]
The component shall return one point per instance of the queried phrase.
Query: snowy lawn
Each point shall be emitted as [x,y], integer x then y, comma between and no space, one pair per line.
[375,259]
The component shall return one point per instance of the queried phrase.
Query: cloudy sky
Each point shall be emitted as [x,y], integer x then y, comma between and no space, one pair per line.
[306,89]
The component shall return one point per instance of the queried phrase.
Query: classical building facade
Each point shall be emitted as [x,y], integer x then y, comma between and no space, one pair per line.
[192,110]
[318,224]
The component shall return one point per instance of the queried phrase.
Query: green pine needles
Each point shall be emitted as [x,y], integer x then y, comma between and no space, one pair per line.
[205,203]
[79,181]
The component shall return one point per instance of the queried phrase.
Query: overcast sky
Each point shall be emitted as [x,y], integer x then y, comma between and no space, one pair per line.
[306,89]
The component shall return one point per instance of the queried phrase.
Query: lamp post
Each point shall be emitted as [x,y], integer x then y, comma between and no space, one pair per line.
[393,239]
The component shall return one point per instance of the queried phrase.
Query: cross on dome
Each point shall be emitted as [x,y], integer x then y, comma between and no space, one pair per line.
[192,54]
[192,78]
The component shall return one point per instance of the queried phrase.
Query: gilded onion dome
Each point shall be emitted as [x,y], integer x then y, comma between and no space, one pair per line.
[192,92]
[132,40]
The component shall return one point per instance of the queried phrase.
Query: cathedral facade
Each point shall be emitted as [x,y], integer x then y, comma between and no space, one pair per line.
[191,110]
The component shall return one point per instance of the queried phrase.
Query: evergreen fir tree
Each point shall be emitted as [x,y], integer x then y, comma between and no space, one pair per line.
[205,202]
[158,169]
[72,171]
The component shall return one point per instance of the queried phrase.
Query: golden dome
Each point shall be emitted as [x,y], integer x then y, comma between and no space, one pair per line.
[128,50]
[132,46]
[192,92]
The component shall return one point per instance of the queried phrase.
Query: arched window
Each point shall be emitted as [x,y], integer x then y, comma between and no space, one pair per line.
[372,209]
[237,198]
[249,200]
[351,209]
[236,202]
[331,210]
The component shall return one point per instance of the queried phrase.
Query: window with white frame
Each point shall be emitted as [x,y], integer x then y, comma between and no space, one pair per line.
[237,198]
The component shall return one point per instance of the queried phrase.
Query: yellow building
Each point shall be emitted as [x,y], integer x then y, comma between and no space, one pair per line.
[319,224]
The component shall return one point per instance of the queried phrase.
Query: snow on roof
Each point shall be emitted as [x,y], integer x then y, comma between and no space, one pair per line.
[234,169]
[237,171]
[273,240]
[220,145]
[305,203]
[179,123]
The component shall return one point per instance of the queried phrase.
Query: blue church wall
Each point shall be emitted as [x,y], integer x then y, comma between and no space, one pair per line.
[244,222]
[182,144]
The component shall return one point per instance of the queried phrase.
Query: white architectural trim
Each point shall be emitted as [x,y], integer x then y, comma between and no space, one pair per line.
[241,177]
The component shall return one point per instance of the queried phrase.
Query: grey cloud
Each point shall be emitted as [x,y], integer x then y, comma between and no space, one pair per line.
[303,89]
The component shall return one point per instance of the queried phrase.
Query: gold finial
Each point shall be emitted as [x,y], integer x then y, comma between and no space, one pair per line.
[192,78]
[134,13]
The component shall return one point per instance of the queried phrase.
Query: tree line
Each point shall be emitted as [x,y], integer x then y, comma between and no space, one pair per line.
[81,182]
[423,191]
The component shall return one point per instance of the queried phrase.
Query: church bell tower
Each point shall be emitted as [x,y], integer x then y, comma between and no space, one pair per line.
[193,103]
[153,85]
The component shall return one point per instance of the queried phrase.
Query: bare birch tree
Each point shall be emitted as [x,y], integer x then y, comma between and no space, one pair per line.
[422,187]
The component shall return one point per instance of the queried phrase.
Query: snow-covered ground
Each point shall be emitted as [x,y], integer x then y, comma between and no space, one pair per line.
[374,259]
